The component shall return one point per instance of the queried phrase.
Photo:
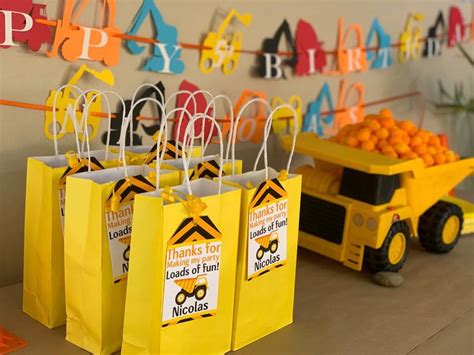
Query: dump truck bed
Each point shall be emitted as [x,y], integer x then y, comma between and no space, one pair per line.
[187,284]
[263,241]
[424,186]
[310,144]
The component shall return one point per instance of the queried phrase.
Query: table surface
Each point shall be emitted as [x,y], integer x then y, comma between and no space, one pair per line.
[339,311]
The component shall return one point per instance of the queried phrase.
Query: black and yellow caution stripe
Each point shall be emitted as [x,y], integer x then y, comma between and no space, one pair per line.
[187,318]
[172,152]
[207,170]
[268,269]
[268,191]
[81,167]
[127,188]
[195,229]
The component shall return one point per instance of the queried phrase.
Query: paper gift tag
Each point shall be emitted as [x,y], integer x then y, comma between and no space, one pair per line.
[118,220]
[267,229]
[192,272]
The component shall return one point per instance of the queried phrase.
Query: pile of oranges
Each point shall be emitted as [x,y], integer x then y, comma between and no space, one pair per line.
[397,139]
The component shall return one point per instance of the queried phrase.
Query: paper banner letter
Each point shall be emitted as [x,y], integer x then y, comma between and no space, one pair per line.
[455,27]
[435,38]
[314,120]
[350,59]
[411,43]
[311,56]
[382,57]
[269,65]
[200,107]
[283,118]
[149,129]
[346,112]
[224,48]
[66,102]
[17,24]
[79,42]
[251,125]
[167,53]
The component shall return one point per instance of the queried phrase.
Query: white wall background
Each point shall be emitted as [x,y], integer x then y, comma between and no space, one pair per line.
[26,76]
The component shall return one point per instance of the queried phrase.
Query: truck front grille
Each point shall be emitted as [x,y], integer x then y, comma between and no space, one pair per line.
[322,219]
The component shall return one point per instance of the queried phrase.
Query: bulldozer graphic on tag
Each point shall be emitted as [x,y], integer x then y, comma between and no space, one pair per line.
[267,243]
[195,287]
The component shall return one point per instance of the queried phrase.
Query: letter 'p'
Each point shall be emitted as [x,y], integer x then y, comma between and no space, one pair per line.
[86,43]
[8,27]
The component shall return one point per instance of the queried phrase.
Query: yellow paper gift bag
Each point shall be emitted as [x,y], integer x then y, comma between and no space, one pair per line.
[43,271]
[268,242]
[98,225]
[181,281]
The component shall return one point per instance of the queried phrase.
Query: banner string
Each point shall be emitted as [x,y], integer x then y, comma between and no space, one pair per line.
[185,45]
[31,106]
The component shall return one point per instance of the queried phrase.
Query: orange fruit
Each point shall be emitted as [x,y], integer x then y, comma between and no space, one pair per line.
[351,141]
[416,141]
[395,140]
[371,117]
[428,159]
[363,134]
[421,149]
[386,113]
[434,141]
[406,139]
[382,133]
[410,155]
[368,145]
[381,144]
[387,122]
[401,148]
[344,130]
[450,156]
[390,154]
[373,138]
[373,124]
[413,132]
[439,158]
[425,136]
[406,125]
[432,150]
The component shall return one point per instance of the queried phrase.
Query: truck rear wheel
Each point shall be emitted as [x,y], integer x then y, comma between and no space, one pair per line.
[394,251]
[439,228]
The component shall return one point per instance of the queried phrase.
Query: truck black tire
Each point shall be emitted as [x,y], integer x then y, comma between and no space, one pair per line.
[273,246]
[200,292]
[180,298]
[260,253]
[440,226]
[394,251]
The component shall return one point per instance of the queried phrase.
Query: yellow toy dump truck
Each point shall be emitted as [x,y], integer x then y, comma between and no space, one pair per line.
[267,243]
[360,207]
[196,287]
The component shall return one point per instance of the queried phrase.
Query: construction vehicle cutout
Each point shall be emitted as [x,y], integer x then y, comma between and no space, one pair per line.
[411,39]
[166,53]
[221,49]
[65,104]
[267,243]
[194,287]
[21,16]
[81,42]
[358,206]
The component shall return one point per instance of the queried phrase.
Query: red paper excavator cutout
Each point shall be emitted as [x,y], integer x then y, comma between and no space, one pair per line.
[200,107]
[10,342]
[311,56]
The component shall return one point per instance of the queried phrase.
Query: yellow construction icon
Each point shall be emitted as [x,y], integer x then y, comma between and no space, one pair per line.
[196,287]
[268,242]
